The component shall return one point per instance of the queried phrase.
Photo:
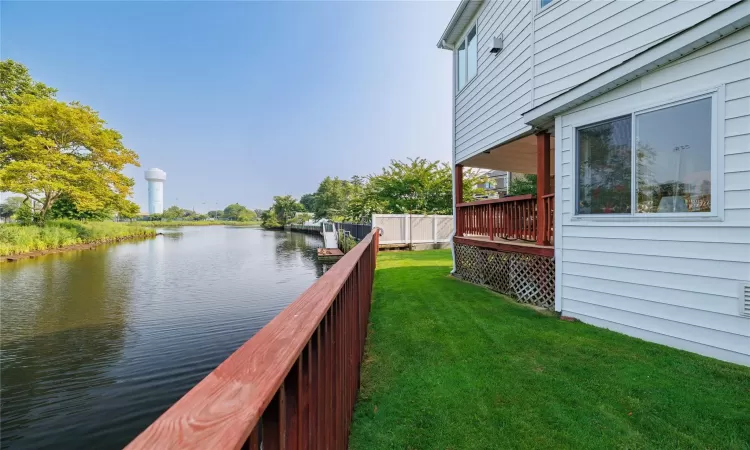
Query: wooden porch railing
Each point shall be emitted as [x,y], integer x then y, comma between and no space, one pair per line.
[548,232]
[294,384]
[510,218]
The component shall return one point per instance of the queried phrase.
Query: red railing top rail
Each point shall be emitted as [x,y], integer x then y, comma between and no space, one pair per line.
[222,410]
[548,195]
[514,198]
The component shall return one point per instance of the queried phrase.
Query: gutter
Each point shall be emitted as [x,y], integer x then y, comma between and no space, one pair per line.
[442,44]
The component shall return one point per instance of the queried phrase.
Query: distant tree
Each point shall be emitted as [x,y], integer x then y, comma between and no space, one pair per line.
[235,211]
[10,206]
[282,212]
[415,186]
[172,213]
[308,201]
[332,198]
[259,212]
[156,217]
[49,148]
[522,185]
[215,214]
[301,218]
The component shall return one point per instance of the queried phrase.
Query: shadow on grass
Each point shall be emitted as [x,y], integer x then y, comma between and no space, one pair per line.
[453,365]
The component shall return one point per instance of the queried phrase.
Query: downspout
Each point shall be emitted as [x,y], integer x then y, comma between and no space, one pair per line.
[453,158]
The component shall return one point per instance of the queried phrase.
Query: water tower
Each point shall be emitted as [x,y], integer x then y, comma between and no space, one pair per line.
[156,179]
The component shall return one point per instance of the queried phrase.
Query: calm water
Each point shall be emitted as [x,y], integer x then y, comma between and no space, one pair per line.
[97,344]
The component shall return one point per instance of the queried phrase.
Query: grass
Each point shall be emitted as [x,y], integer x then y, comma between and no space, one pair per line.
[195,223]
[15,239]
[450,365]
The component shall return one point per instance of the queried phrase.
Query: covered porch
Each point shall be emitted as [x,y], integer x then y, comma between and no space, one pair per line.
[526,221]
[507,243]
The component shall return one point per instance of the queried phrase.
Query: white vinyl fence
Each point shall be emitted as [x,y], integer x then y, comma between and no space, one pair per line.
[413,228]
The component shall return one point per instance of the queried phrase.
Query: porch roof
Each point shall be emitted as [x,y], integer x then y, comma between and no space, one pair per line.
[518,156]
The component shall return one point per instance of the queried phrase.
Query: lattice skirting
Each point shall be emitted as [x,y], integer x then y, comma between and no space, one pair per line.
[527,278]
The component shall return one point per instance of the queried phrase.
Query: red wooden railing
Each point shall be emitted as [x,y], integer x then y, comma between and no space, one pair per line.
[294,384]
[510,218]
[548,232]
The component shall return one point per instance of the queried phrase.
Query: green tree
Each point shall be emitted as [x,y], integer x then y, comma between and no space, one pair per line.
[50,148]
[235,211]
[10,206]
[522,185]
[65,208]
[173,213]
[16,82]
[282,212]
[332,198]
[416,186]
[308,201]
[25,215]
[215,214]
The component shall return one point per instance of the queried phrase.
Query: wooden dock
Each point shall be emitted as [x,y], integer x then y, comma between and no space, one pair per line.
[329,254]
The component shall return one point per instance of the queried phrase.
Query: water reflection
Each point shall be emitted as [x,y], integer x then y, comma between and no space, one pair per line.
[97,344]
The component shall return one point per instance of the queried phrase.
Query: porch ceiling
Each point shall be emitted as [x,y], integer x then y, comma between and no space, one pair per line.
[517,156]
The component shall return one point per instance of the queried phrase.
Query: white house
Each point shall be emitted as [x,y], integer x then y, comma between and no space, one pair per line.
[636,118]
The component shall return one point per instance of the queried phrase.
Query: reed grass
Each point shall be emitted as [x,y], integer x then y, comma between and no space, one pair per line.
[16,239]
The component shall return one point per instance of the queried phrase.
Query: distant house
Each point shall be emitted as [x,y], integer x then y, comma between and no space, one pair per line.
[496,185]
[635,116]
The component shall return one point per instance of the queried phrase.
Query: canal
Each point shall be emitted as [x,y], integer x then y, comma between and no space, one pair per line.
[97,344]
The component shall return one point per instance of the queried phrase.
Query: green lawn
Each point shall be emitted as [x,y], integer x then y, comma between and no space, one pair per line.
[451,365]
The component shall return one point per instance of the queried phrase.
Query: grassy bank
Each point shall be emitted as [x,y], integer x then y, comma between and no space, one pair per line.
[453,365]
[196,223]
[16,239]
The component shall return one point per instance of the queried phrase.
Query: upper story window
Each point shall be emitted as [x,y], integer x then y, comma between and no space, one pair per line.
[543,3]
[659,161]
[466,59]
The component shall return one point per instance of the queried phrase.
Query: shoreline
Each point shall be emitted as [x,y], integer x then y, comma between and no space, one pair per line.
[82,246]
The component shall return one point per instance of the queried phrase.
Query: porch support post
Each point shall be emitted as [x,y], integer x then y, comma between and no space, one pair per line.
[542,185]
[459,197]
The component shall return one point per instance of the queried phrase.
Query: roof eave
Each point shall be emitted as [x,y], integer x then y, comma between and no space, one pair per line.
[446,40]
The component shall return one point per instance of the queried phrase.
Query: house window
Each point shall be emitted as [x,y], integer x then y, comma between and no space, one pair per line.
[605,167]
[673,167]
[544,3]
[466,59]
[656,161]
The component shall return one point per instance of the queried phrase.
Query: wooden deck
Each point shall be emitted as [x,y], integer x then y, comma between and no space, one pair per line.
[504,245]
[329,254]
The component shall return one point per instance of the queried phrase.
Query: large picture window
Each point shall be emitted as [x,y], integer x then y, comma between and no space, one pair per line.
[673,148]
[651,162]
[466,59]
[604,167]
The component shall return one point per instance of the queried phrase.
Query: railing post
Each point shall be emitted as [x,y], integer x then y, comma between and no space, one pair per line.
[458,197]
[542,185]
[490,222]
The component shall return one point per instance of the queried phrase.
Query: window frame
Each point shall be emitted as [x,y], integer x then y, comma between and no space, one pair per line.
[464,40]
[717,179]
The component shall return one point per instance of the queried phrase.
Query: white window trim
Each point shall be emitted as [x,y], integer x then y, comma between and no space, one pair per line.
[474,25]
[717,163]
[540,10]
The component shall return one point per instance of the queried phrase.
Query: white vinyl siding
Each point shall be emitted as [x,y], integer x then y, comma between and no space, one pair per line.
[674,282]
[577,40]
[488,110]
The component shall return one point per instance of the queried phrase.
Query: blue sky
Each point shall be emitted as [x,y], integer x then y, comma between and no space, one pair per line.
[240,101]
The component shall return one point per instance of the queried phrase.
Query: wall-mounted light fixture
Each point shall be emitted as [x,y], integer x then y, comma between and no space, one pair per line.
[497,44]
